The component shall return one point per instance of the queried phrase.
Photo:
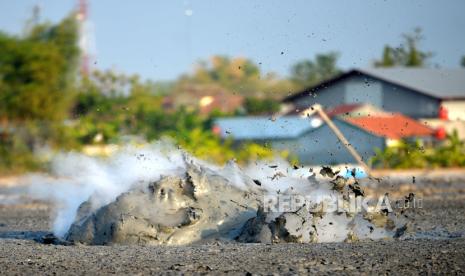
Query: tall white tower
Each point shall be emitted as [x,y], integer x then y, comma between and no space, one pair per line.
[86,37]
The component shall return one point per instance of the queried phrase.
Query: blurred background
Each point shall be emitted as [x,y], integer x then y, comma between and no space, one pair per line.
[234,80]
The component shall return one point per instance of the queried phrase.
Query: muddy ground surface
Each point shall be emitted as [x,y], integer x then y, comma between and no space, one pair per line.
[435,244]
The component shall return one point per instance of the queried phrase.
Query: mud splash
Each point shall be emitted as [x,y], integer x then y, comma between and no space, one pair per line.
[174,210]
[158,194]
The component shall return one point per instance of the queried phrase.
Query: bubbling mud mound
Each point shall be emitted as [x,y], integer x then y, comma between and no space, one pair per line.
[174,210]
[303,226]
[206,203]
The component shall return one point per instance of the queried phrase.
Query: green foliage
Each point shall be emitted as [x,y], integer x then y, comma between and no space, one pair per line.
[256,106]
[207,146]
[451,153]
[462,62]
[307,72]
[237,74]
[64,36]
[15,157]
[16,147]
[37,76]
[30,80]
[141,113]
[406,54]
[403,156]
[36,72]
[111,105]
[388,58]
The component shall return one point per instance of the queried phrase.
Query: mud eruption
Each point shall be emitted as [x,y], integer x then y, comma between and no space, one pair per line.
[174,210]
[158,194]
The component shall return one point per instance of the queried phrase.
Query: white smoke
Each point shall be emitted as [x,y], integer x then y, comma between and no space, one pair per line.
[77,177]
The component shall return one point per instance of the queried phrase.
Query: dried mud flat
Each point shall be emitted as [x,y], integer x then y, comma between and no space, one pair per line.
[436,245]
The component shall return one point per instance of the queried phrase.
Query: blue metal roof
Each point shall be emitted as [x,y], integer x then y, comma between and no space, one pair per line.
[260,128]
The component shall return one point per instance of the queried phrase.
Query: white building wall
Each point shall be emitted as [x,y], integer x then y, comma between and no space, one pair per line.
[456,109]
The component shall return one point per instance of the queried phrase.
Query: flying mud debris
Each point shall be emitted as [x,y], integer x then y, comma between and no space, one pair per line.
[170,198]
[328,171]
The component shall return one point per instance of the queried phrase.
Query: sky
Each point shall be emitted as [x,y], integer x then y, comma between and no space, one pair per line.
[160,40]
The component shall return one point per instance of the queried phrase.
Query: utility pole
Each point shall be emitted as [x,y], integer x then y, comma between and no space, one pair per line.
[316,108]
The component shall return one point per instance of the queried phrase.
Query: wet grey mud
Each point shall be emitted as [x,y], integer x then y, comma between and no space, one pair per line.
[174,210]
[20,254]
[198,221]
[202,204]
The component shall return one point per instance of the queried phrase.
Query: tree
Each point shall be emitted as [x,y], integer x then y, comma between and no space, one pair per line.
[462,62]
[256,106]
[64,36]
[37,72]
[310,72]
[239,75]
[407,54]
[388,57]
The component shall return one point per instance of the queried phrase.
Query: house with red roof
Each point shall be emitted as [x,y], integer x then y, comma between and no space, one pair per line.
[436,96]
[394,126]
[374,108]
[312,141]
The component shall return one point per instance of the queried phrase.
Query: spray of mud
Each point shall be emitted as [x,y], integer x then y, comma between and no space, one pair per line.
[76,178]
[126,198]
